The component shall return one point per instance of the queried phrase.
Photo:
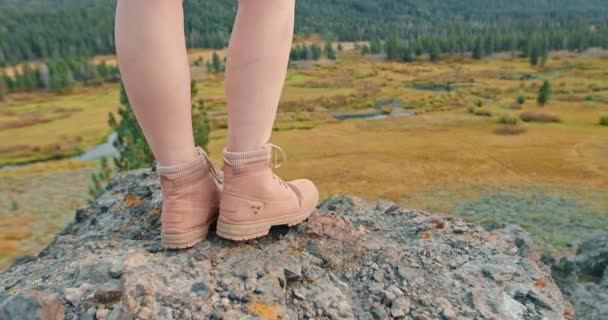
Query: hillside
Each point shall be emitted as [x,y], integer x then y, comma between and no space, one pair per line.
[34,28]
[349,260]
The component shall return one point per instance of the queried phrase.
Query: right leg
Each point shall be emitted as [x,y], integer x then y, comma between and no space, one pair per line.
[154,66]
[151,50]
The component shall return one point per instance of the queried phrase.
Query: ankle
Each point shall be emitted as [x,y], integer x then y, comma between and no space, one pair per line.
[185,168]
[178,157]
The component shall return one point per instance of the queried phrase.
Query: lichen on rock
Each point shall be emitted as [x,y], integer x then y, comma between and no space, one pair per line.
[349,260]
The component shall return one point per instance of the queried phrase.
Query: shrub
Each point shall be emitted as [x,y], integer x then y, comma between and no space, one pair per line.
[521,99]
[604,121]
[482,113]
[545,93]
[510,130]
[14,205]
[507,119]
[100,179]
[387,110]
[538,117]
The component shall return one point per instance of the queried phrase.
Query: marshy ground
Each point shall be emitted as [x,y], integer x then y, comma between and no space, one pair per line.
[451,156]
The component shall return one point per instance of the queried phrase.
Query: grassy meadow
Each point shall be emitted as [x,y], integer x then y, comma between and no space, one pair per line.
[452,156]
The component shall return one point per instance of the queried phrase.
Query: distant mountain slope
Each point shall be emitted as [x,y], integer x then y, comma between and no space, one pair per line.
[45,28]
[42,4]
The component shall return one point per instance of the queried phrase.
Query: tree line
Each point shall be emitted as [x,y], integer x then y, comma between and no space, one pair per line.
[56,75]
[534,45]
[313,52]
[74,28]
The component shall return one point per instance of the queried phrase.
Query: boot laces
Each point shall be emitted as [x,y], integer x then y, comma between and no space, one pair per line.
[275,151]
[201,152]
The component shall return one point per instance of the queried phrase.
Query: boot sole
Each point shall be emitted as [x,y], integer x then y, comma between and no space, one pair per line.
[249,231]
[183,240]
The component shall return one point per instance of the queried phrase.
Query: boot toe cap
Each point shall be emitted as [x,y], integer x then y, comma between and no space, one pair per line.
[307,192]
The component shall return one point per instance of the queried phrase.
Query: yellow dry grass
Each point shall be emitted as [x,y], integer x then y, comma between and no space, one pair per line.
[395,157]
[443,149]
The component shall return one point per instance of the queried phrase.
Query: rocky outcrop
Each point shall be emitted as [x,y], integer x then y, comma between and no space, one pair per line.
[584,278]
[349,260]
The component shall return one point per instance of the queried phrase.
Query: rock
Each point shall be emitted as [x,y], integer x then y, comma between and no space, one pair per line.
[396,291]
[35,305]
[592,255]
[102,313]
[589,298]
[347,261]
[108,293]
[379,313]
[392,209]
[389,297]
[72,295]
[26,258]
[339,229]
[604,280]
[116,270]
[400,307]
[378,275]
[448,313]
[119,313]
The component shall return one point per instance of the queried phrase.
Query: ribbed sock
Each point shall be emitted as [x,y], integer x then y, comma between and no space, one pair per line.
[183,169]
[237,159]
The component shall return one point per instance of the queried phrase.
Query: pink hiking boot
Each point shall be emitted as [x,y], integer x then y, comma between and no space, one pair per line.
[254,199]
[191,196]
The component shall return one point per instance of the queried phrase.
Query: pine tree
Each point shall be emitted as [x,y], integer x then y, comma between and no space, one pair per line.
[544,52]
[434,52]
[534,54]
[29,79]
[200,121]
[375,46]
[392,48]
[200,124]
[316,51]
[365,50]
[100,179]
[489,45]
[216,63]
[3,90]
[133,151]
[8,82]
[102,70]
[545,93]
[408,55]
[478,49]
[330,53]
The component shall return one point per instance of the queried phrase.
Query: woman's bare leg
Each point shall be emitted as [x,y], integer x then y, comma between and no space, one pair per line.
[254,199]
[151,49]
[258,55]
[154,66]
